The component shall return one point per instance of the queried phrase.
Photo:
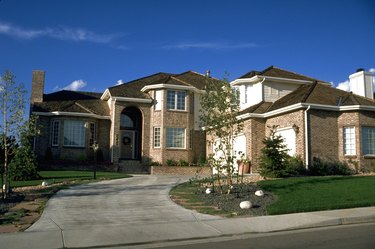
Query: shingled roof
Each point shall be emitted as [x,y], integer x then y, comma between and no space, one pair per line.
[316,93]
[72,101]
[273,71]
[133,88]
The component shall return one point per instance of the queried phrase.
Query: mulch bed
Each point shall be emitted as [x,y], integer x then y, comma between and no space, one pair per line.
[231,202]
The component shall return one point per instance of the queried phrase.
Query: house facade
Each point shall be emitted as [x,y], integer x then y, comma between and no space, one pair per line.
[152,119]
[315,119]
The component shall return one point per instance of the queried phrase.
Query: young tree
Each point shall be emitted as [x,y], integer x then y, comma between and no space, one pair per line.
[12,107]
[274,158]
[220,107]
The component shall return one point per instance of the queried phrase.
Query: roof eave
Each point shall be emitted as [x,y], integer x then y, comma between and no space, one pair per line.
[75,114]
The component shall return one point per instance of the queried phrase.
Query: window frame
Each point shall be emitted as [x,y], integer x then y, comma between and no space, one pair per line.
[55,133]
[73,133]
[156,141]
[365,147]
[174,100]
[171,139]
[349,141]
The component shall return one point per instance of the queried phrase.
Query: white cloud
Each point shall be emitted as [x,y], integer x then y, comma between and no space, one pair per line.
[344,86]
[60,33]
[372,70]
[210,45]
[75,85]
[120,82]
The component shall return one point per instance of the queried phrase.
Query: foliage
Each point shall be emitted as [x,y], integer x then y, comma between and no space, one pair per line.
[182,162]
[24,164]
[274,157]
[220,107]
[320,167]
[171,162]
[13,124]
[155,163]
[295,167]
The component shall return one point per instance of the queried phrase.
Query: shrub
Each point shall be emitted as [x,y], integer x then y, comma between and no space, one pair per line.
[155,163]
[295,167]
[182,162]
[320,167]
[274,156]
[171,162]
[24,164]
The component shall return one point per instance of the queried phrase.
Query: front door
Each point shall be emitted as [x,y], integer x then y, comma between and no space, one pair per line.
[128,144]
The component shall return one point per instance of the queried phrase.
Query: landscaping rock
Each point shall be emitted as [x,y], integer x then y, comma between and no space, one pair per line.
[44,184]
[259,193]
[245,205]
[208,190]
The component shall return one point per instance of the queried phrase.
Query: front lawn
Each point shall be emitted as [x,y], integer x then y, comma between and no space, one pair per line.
[308,194]
[57,176]
[282,196]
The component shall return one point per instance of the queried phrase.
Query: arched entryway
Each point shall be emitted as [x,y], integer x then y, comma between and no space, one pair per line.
[131,133]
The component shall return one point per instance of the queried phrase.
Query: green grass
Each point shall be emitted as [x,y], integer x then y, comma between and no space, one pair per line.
[307,194]
[64,176]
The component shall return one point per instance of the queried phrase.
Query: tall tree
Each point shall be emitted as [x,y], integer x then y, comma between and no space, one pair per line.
[12,107]
[220,107]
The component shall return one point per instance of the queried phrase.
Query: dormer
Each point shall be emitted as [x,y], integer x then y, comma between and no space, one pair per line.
[268,85]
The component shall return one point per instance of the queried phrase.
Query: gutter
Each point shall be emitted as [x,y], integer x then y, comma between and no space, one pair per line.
[307,155]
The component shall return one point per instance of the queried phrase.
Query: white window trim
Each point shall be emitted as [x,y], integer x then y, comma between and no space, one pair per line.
[184,142]
[53,133]
[344,139]
[84,135]
[158,95]
[176,100]
[154,137]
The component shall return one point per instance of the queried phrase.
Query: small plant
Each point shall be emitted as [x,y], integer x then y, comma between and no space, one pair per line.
[171,162]
[182,162]
[155,163]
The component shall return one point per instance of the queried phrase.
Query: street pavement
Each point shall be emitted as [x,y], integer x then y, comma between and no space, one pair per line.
[138,211]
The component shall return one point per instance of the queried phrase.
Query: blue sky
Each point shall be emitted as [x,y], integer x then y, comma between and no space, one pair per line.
[95,44]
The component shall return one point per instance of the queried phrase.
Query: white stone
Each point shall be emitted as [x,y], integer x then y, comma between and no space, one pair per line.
[259,193]
[44,184]
[208,190]
[245,205]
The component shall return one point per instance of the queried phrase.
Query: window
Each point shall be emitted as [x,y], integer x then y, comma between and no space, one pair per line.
[74,133]
[176,138]
[158,96]
[55,133]
[368,140]
[157,136]
[176,100]
[92,134]
[349,140]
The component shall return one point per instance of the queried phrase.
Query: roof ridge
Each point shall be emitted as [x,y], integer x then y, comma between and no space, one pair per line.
[182,81]
[140,79]
[83,107]
[306,95]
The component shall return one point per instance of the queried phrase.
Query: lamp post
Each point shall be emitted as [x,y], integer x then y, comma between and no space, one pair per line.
[95,148]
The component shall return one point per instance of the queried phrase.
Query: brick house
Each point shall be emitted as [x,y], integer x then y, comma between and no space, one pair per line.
[314,118]
[155,118]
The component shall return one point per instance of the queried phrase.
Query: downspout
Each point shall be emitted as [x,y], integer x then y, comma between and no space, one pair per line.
[307,138]
[113,129]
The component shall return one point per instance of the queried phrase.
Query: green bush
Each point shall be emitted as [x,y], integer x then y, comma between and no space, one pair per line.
[171,162]
[320,167]
[182,162]
[295,167]
[155,163]
[24,164]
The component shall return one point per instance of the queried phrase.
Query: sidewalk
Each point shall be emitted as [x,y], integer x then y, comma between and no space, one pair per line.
[112,235]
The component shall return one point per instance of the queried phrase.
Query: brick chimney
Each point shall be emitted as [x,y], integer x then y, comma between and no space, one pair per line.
[37,86]
[361,83]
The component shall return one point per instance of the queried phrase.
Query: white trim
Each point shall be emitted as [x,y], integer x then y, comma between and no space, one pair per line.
[170,86]
[136,100]
[257,78]
[306,105]
[307,142]
[75,114]
[105,94]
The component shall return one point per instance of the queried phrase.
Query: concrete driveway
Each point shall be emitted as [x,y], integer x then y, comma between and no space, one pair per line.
[140,200]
